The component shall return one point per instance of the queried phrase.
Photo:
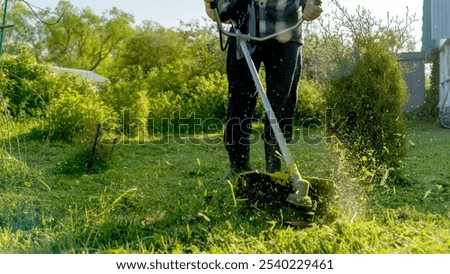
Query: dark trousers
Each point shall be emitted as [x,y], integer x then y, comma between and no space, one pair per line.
[282,63]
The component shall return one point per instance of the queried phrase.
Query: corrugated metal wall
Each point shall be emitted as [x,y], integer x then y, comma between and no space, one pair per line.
[414,78]
[427,42]
[440,20]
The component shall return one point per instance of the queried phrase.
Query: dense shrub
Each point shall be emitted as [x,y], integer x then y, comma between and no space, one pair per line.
[370,99]
[430,108]
[165,108]
[28,87]
[23,86]
[206,96]
[311,102]
[199,106]
[85,121]
[129,98]
[73,116]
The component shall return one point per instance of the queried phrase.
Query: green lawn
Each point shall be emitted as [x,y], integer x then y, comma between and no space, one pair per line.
[167,196]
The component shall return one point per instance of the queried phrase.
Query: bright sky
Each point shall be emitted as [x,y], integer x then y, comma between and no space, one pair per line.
[169,12]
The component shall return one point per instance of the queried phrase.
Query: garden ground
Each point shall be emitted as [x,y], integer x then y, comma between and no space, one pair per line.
[166,195]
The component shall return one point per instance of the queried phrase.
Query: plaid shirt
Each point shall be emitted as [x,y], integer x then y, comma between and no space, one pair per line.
[276,15]
[266,17]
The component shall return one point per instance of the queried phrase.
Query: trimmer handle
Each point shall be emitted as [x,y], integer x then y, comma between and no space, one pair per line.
[248,37]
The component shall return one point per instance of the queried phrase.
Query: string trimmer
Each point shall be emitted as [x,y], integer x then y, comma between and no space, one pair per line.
[298,208]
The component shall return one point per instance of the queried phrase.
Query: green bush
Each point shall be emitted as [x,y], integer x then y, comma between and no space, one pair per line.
[129,99]
[23,87]
[199,106]
[75,116]
[367,105]
[85,121]
[430,108]
[28,87]
[311,102]
[164,108]
[207,97]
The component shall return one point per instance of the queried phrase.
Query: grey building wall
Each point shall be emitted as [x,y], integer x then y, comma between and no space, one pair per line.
[427,42]
[440,20]
[414,77]
[436,23]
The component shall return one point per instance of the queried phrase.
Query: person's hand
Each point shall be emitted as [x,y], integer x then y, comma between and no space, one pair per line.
[312,11]
[209,10]
[208,3]
[234,9]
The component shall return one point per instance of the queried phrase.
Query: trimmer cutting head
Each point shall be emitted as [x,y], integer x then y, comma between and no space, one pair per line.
[297,215]
[275,190]
[262,188]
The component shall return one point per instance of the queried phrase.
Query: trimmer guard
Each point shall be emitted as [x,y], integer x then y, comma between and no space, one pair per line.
[262,188]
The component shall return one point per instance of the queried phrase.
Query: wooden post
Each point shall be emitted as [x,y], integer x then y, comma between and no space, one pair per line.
[90,163]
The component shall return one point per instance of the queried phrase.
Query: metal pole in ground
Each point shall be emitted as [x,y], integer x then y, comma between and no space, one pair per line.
[3,26]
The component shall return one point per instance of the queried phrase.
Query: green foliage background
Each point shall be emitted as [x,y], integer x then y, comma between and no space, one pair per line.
[173,80]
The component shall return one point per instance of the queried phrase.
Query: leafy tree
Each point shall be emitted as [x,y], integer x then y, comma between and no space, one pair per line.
[204,48]
[152,47]
[24,33]
[82,39]
[171,57]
